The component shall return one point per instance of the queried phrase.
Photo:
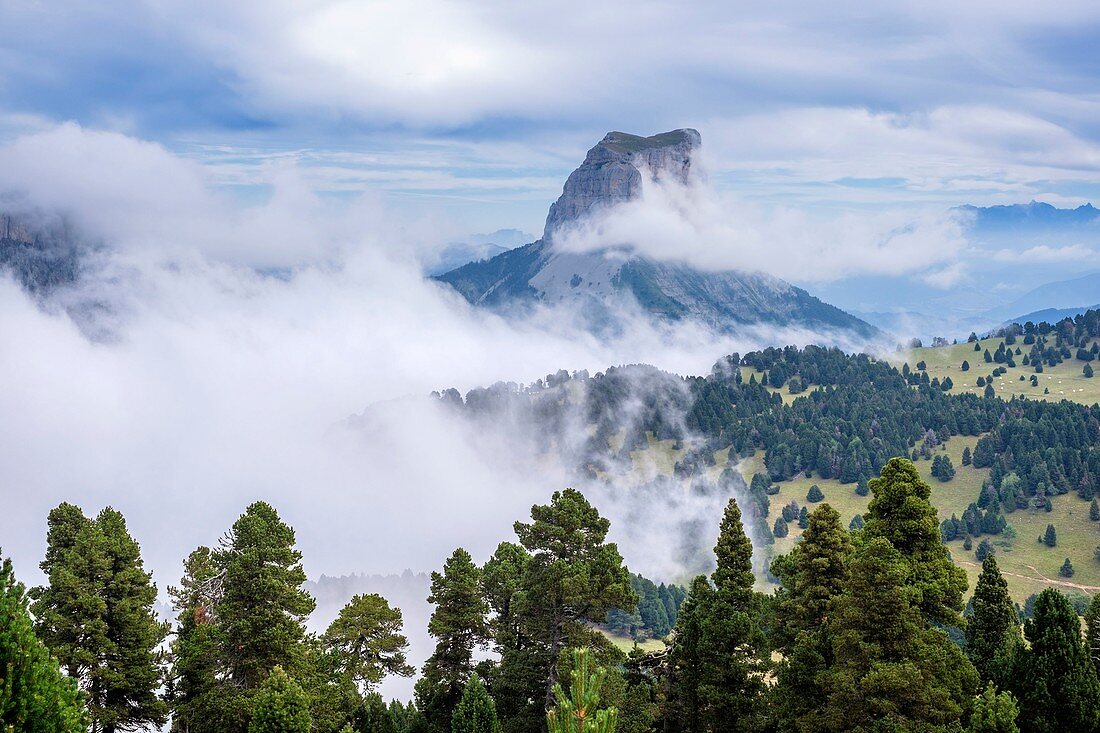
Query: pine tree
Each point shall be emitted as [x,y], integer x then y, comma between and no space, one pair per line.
[475,711]
[1050,536]
[96,614]
[578,710]
[35,697]
[688,659]
[193,685]
[281,706]
[573,577]
[812,575]
[1066,571]
[367,640]
[901,512]
[134,674]
[815,494]
[731,683]
[459,627]
[994,712]
[1057,685]
[966,456]
[1094,511]
[263,609]
[993,632]
[892,672]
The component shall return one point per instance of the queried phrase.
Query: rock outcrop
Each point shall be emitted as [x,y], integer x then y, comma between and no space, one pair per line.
[612,172]
[599,282]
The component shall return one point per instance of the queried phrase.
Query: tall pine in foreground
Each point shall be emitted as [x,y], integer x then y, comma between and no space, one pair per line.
[891,671]
[35,697]
[96,614]
[901,512]
[812,575]
[263,608]
[459,626]
[993,632]
[733,668]
[573,578]
[687,661]
[1056,683]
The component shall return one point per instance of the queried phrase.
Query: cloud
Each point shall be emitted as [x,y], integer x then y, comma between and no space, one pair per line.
[699,226]
[225,385]
[945,277]
[1073,253]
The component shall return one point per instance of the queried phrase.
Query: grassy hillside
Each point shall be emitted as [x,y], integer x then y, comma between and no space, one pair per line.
[1064,381]
[1028,565]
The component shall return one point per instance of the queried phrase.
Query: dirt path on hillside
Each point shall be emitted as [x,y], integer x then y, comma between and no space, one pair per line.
[1039,577]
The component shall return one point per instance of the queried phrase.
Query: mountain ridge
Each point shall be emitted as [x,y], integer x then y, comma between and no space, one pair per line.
[612,173]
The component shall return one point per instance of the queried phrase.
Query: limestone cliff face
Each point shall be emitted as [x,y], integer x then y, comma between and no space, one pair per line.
[597,282]
[612,172]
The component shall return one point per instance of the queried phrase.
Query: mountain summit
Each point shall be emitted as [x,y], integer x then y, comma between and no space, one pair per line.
[613,172]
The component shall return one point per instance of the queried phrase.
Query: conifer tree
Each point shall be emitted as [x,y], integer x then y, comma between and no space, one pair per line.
[475,711]
[281,706]
[732,642]
[263,609]
[96,614]
[993,632]
[573,577]
[892,672]
[684,710]
[1092,632]
[994,712]
[902,513]
[1056,685]
[134,674]
[459,626]
[812,576]
[35,696]
[578,710]
[367,640]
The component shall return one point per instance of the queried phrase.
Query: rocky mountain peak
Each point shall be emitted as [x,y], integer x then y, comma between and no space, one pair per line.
[611,172]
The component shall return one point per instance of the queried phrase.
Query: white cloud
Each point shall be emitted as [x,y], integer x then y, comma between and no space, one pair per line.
[697,225]
[1077,253]
[945,277]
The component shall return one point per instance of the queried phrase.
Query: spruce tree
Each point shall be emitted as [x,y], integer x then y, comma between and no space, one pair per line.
[35,696]
[687,658]
[134,675]
[1092,632]
[993,632]
[901,512]
[1056,685]
[732,643]
[281,706]
[459,626]
[475,711]
[812,575]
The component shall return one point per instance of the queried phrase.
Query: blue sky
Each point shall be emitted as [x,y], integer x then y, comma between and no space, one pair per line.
[477,111]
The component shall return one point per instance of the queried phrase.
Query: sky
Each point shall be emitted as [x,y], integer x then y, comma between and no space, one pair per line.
[475,112]
[269,180]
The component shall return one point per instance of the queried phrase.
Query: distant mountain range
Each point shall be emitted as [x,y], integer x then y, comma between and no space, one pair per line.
[1030,216]
[598,281]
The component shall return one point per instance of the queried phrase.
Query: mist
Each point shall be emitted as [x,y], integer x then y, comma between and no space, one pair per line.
[202,381]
